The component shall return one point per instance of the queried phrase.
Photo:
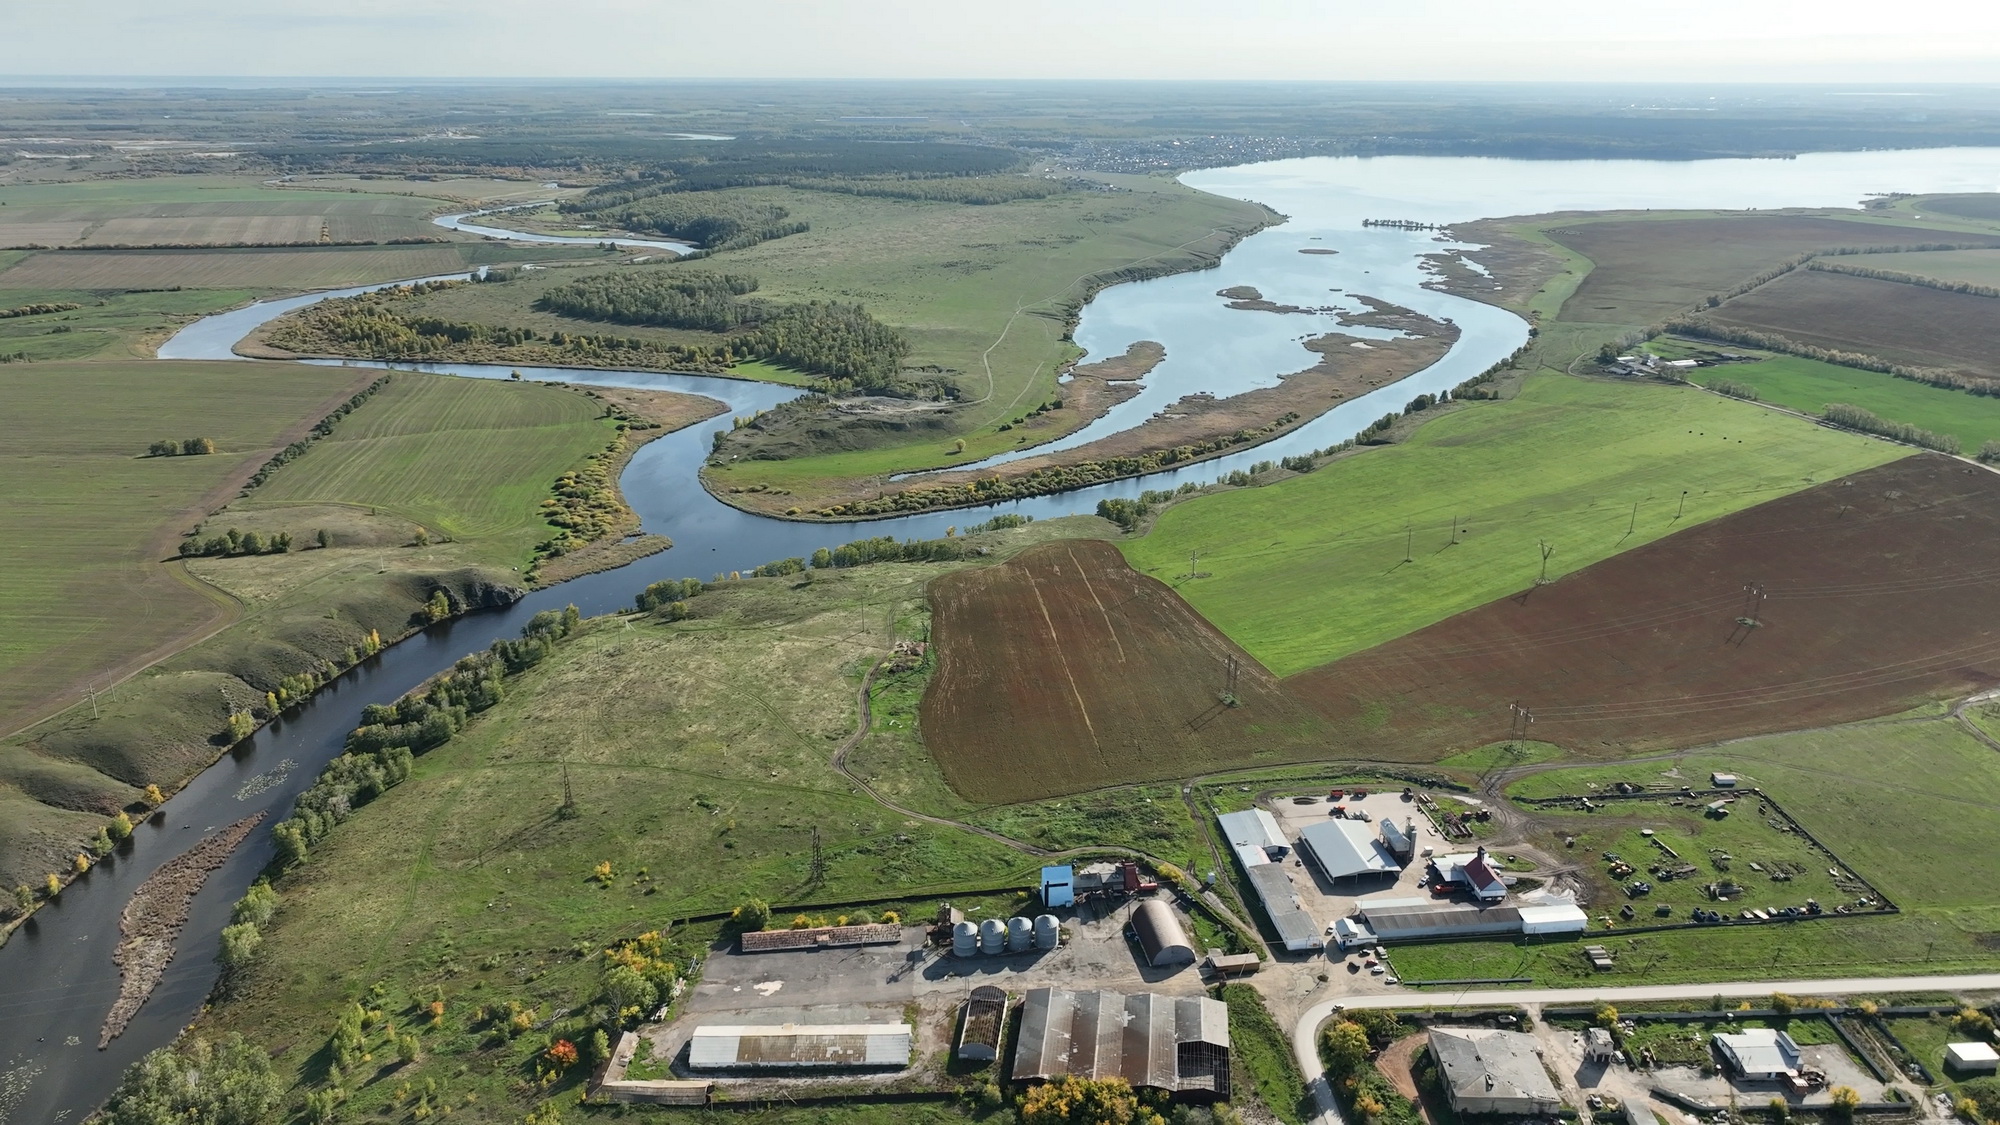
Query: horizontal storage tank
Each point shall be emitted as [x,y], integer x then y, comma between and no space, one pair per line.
[964,940]
[1047,932]
[992,936]
[1020,935]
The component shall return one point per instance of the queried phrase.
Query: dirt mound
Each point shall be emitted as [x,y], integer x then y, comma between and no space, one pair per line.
[1064,670]
[1853,599]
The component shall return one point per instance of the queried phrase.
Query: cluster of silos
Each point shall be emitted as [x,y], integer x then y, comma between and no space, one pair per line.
[1015,935]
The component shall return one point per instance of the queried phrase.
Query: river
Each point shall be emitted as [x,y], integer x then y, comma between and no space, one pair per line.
[56,976]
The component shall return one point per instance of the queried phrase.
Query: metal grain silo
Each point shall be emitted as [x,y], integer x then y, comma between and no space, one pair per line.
[1020,935]
[992,936]
[1047,932]
[964,939]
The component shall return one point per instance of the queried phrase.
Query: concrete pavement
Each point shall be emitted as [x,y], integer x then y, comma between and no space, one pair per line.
[1306,1034]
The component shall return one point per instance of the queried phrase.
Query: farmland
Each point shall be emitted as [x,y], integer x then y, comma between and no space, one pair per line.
[1310,570]
[215,210]
[1646,650]
[1863,789]
[1645,270]
[1908,324]
[1969,267]
[1063,670]
[80,583]
[316,268]
[106,325]
[469,459]
[1808,385]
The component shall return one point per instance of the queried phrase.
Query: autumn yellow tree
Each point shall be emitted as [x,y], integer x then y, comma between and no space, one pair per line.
[1083,1101]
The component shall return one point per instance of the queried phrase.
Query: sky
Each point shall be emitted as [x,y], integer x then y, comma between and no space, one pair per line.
[1346,40]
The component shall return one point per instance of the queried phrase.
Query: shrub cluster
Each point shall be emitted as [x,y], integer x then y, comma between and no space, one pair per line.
[710,221]
[1734,389]
[234,542]
[704,301]
[973,190]
[41,309]
[186,447]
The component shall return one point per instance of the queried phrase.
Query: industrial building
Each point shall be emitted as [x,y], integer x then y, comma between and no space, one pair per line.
[1971,1058]
[1348,849]
[1253,835]
[1160,935]
[1426,919]
[1760,1054]
[801,1046]
[1175,1043]
[1490,1071]
[1058,886]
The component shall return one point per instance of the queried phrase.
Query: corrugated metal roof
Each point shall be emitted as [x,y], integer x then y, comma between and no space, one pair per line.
[1296,928]
[772,941]
[1254,827]
[800,1045]
[1554,919]
[1345,848]
[1160,934]
[1112,1035]
[1404,923]
[1760,1050]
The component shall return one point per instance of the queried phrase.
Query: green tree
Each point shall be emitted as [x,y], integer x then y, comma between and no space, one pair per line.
[24,898]
[121,827]
[196,1082]
[1345,1047]
[752,915]
[324,538]
[240,943]
[163,449]
[1070,1100]
[627,989]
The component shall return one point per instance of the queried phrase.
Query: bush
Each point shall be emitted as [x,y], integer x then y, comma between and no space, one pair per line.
[1734,389]
[195,1082]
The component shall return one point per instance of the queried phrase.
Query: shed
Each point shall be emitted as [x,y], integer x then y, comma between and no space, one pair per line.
[1722,780]
[1557,918]
[985,1016]
[1598,1046]
[1234,964]
[1491,1071]
[1434,920]
[1971,1058]
[1347,849]
[1760,1053]
[795,1046]
[1286,910]
[1058,886]
[1174,1043]
[1160,935]
[1252,827]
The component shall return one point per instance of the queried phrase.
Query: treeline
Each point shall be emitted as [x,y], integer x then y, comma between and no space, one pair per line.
[186,447]
[842,343]
[1704,328]
[710,221]
[234,542]
[704,301]
[296,244]
[977,191]
[1901,278]
[1814,260]
[320,429]
[1855,418]
[1056,478]
[42,309]
[380,752]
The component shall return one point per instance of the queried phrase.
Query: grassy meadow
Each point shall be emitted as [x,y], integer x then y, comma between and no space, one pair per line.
[470,459]
[1808,385]
[1867,790]
[1307,571]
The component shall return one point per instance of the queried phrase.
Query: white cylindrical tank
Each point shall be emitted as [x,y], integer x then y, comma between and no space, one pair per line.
[992,936]
[1020,935]
[964,939]
[1047,932]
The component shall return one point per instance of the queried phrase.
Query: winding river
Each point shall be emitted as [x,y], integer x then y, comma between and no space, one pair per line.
[56,976]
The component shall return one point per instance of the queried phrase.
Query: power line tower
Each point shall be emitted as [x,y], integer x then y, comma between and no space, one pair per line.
[1520,719]
[1232,670]
[1409,541]
[1547,549]
[568,810]
[816,873]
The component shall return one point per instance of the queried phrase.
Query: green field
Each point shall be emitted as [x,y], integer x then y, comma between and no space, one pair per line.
[110,325]
[1307,571]
[197,209]
[1974,267]
[1808,385]
[1866,790]
[471,459]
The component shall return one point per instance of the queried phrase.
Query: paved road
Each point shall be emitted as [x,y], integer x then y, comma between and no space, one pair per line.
[1304,1036]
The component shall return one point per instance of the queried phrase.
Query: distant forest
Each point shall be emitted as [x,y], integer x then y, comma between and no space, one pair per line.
[707,219]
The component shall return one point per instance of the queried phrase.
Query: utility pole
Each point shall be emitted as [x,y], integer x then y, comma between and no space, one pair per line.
[1630,527]
[1409,540]
[92,689]
[1683,504]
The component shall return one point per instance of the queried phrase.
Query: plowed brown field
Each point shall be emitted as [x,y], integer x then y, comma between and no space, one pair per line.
[1881,590]
[1063,670]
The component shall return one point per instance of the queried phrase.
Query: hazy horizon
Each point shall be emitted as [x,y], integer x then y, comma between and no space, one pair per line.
[1643,41]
